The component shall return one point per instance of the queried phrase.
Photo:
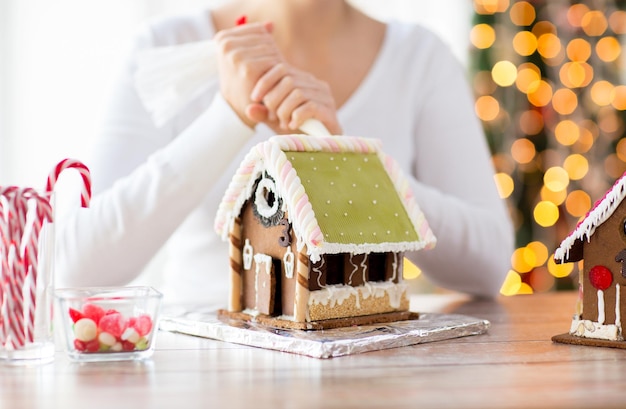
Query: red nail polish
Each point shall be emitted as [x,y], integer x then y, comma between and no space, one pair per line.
[242,20]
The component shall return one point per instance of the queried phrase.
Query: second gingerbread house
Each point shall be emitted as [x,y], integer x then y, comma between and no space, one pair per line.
[599,240]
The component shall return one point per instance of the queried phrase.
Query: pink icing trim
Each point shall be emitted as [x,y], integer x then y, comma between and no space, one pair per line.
[334,145]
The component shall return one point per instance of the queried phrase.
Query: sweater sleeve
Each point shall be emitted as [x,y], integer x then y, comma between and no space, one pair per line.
[455,188]
[146,181]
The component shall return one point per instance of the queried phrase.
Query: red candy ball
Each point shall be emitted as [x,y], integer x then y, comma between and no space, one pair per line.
[142,324]
[600,277]
[113,323]
[94,312]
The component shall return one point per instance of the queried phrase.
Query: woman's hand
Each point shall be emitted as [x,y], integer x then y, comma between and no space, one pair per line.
[245,54]
[261,87]
[284,97]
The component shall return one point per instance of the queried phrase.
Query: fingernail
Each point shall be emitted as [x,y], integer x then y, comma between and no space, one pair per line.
[242,20]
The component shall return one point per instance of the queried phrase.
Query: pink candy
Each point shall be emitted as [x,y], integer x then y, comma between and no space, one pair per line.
[99,330]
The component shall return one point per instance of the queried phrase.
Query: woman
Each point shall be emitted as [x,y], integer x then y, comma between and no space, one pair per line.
[294,60]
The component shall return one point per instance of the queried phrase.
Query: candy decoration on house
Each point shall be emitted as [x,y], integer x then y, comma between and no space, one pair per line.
[599,240]
[318,226]
[24,213]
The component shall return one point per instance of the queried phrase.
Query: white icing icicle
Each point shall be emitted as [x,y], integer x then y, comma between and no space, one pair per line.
[288,262]
[600,307]
[618,313]
[247,255]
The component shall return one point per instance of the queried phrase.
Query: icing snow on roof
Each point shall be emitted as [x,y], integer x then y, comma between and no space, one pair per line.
[601,211]
[342,195]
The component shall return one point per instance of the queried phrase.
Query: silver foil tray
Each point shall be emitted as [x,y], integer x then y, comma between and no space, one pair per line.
[329,343]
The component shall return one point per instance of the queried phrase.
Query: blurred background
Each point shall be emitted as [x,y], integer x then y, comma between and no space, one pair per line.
[549,83]
[548,76]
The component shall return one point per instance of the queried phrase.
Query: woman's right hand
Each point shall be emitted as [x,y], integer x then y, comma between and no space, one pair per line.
[245,53]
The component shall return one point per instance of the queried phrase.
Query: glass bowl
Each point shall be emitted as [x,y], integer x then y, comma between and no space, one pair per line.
[108,323]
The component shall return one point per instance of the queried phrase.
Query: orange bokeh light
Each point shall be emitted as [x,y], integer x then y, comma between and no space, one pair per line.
[482,36]
[608,49]
[578,49]
[542,95]
[531,122]
[523,150]
[564,101]
[594,23]
[522,13]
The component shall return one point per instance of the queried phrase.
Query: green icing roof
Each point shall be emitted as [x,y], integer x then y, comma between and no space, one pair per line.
[353,198]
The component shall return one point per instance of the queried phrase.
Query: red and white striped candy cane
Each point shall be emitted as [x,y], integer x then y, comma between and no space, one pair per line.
[4,267]
[85,196]
[43,213]
[19,239]
[18,211]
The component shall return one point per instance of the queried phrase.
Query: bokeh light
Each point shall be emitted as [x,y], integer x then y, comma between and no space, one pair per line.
[482,36]
[525,43]
[578,203]
[504,184]
[522,13]
[578,50]
[546,213]
[556,179]
[608,49]
[576,166]
[528,78]
[594,23]
[409,270]
[549,80]
[487,107]
[523,150]
[564,101]
[566,132]
[504,73]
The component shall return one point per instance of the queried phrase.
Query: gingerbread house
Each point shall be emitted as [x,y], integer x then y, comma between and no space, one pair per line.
[318,227]
[600,241]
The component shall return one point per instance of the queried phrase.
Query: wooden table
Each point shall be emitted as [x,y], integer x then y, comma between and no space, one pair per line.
[514,365]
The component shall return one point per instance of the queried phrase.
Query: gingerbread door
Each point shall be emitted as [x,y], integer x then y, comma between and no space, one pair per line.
[267,285]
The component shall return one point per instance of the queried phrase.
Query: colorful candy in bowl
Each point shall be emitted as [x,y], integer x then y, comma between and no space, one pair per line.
[108,324]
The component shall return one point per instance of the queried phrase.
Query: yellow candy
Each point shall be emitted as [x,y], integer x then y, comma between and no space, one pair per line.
[107,339]
[85,330]
[130,335]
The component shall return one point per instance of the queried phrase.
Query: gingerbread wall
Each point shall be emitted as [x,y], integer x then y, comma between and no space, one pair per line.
[601,270]
[265,240]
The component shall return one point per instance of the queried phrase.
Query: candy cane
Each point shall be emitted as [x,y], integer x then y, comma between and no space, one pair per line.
[19,236]
[17,265]
[85,195]
[19,245]
[4,268]
[43,213]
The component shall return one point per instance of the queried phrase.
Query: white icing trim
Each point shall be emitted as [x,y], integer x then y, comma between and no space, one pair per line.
[364,266]
[354,269]
[333,295]
[339,248]
[590,329]
[598,215]
[261,202]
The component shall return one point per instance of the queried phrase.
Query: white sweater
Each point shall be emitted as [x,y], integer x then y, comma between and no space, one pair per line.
[159,188]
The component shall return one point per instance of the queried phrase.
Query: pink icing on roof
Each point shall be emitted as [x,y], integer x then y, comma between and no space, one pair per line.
[270,156]
[600,212]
